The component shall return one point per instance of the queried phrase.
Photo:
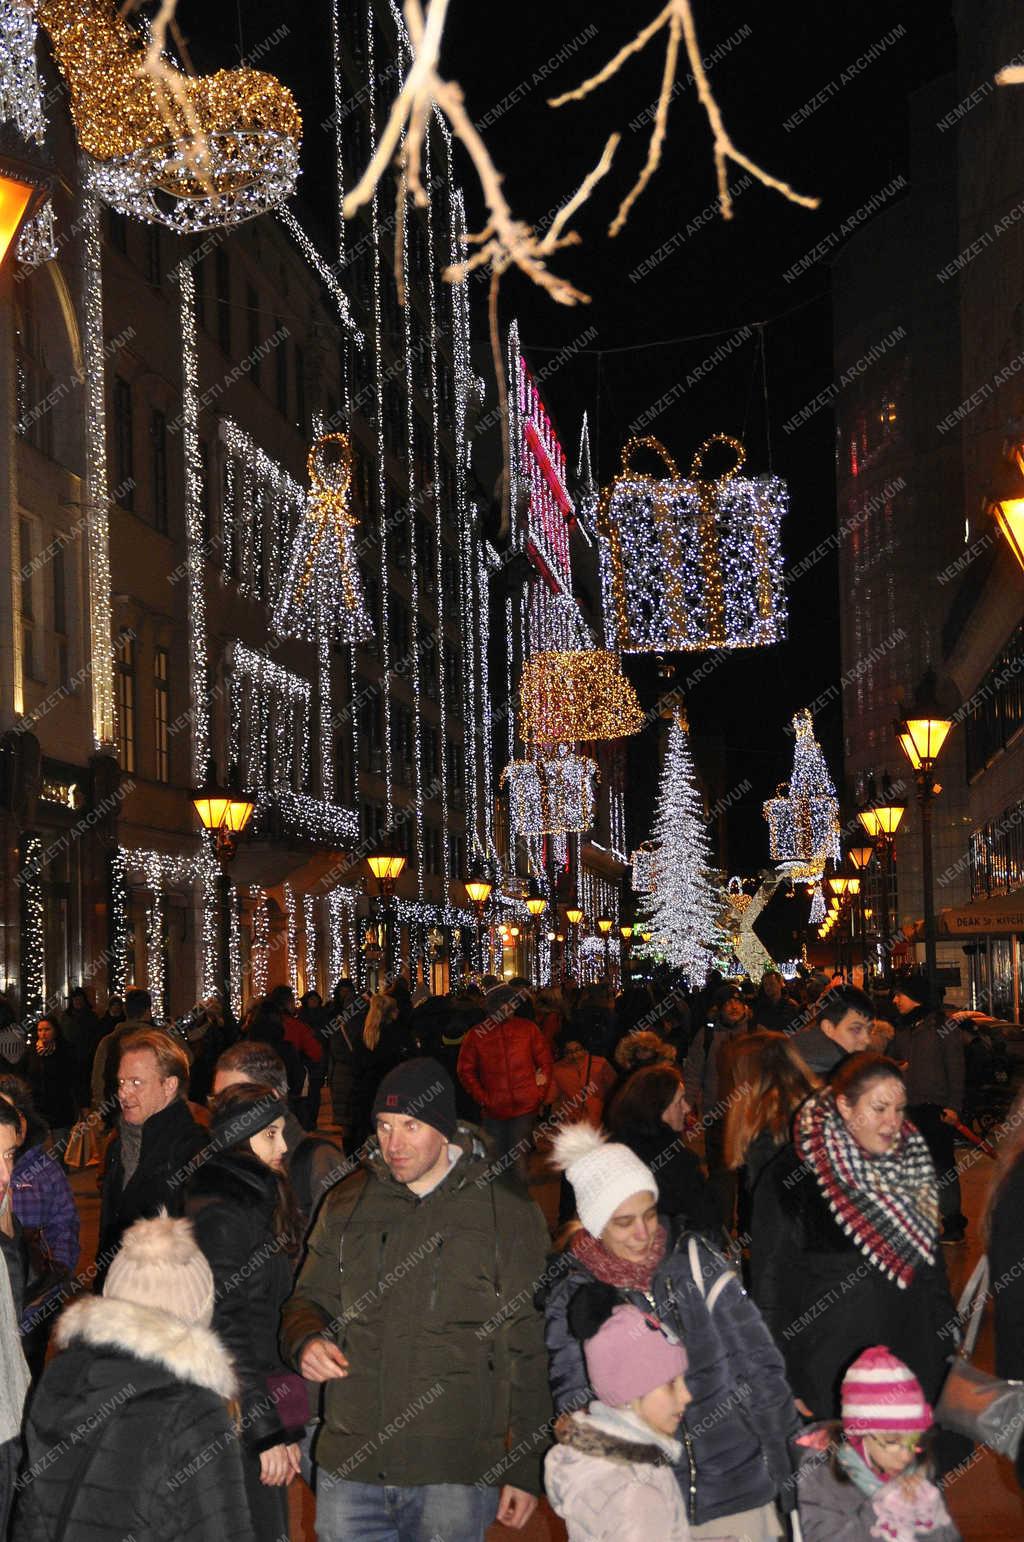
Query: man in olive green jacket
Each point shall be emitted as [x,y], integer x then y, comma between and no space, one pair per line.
[415,1306]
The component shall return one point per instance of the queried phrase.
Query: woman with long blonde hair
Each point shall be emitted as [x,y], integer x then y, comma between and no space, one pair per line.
[378,1047]
[768,1081]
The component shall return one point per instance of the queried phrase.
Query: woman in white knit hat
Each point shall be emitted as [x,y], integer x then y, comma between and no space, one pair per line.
[735,1459]
[130,1431]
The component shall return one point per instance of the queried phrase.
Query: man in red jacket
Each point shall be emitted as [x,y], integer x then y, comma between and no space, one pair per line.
[505,1064]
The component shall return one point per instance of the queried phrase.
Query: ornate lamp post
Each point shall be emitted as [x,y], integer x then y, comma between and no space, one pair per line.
[880,819]
[604,926]
[478,890]
[625,932]
[225,812]
[860,855]
[922,733]
[386,865]
[574,916]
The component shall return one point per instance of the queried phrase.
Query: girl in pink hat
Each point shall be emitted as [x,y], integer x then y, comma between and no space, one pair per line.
[611,1474]
[867,1479]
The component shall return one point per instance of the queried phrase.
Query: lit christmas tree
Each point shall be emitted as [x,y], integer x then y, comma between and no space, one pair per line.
[682,910]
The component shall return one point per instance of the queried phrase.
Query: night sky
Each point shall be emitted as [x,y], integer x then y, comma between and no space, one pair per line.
[769,61]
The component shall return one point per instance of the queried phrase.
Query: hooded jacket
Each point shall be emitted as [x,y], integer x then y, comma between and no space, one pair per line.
[498,1065]
[431,1301]
[230,1200]
[128,1433]
[933,1049]
[610,1478]
[735,1433]
[170,1140]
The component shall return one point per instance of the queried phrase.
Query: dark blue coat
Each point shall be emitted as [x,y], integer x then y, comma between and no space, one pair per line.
[735,1432]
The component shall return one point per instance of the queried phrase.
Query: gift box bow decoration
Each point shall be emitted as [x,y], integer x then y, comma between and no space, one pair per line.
[552,795]
[693,562]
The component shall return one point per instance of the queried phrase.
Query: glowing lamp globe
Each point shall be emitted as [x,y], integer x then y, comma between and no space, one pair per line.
[573,915]
[1009,514]
[385,866]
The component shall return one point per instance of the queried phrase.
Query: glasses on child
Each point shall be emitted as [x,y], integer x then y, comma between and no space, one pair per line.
[897,1442]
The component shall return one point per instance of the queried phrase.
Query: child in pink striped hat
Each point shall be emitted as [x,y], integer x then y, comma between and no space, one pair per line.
[867,1479]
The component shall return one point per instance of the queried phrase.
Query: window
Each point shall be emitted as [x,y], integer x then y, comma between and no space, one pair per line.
[117,231]
[124,659]
[457,854]
[300,388]
[399,628]
[58,567]
[252,332]
[222,282]
[154,256]
[158,447]
[124,449]
[162,713]
[281,371]
[431,755]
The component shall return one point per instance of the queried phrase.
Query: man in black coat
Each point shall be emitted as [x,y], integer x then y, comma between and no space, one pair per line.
[151,1156]
[928,1043]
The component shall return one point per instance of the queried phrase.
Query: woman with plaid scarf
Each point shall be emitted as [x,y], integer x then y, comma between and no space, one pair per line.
[844,1238]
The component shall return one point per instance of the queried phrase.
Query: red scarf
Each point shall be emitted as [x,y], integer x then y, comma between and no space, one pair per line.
[621,1272]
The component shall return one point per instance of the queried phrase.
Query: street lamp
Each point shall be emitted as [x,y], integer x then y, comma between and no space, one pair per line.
[536,904]
[478,890]
[922,733]
[574,916]
[386,865]
[860,856]
[625,932]
[881,818]
[604,926]
[225,813]
[25,183]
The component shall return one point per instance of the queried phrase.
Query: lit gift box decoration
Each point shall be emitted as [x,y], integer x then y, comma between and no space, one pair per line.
[693,562]
[551,795]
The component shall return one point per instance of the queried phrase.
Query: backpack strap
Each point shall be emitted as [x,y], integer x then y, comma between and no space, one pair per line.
[709,1297]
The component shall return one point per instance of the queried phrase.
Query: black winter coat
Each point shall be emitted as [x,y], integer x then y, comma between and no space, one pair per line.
[1005,1251]
[170,1141]
[52,1079]
[825,1302]
[230,1200]
[736,1431]
[128,1433]
[682,1188]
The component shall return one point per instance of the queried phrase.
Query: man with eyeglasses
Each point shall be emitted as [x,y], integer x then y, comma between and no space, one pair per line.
[157,1139]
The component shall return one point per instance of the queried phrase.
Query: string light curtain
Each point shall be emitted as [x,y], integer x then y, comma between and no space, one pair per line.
[213,151]
[803,817]
[568,698]
[692,562]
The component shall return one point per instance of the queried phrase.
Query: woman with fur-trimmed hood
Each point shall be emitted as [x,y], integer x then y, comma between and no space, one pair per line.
[130,1431]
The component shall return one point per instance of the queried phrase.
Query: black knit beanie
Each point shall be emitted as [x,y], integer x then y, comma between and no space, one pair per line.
[232,1124]
[421,1089]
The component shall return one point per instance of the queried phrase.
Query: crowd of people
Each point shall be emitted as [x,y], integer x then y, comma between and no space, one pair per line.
[674,1258]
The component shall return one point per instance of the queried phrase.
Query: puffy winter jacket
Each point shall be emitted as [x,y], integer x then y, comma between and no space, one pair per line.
[128,1434]
[610,1478]
[498,1065]
[832,1510]
[735,1432]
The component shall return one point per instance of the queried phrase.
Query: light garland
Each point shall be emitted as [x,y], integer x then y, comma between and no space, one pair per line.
[259,947]
[158,871]
[310,951]
[803,817]
[195,555]
[117,923]
[692,563]
[228,155]
[551,796]
[269,727]
[32,921]
[683,911]
[97,495]
[312,819]
[262,504]
[325,274]
[566,698]
[292,916]
[645,868]
[322,590]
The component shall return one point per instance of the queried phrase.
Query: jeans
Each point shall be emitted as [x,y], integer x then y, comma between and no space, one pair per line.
[512,1137]
[433,1512]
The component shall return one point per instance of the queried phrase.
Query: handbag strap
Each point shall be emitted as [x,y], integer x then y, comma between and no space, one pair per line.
[648,442]
[971,1306]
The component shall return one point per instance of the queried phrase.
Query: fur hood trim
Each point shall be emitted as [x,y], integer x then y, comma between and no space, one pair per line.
[189,1351]
[239,1178]
[588,1437]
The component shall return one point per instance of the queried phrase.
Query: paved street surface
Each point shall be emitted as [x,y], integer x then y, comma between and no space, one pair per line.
[984,1498]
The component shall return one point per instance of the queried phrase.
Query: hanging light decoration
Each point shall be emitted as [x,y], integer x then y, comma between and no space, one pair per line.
[551,795]
[322,584]
[737,899]
[192,154]
[645,869]
[568,697]
[693,563]
[803,817]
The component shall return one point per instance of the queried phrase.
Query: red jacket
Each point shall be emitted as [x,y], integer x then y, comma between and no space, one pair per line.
[301,1037]
[498,1065]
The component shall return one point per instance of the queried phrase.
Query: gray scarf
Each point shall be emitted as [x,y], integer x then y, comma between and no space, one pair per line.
[14,1376]
[131,1150]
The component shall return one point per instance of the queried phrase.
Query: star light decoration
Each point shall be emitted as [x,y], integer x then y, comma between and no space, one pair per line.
[322,586]
[692,562]
[803,817]
[568,698]
[551,795]
[189,153]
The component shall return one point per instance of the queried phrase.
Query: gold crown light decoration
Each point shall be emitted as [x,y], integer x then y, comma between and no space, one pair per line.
[194,154]
[575,697]
[692,562]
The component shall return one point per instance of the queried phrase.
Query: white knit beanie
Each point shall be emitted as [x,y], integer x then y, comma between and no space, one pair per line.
[159,1264]
[602,1173]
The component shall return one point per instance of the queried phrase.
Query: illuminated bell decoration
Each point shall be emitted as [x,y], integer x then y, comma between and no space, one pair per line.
[691,562]
[565,698]
[214,151]
[322,583]
[738,901]
[551,795]
[803,817]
